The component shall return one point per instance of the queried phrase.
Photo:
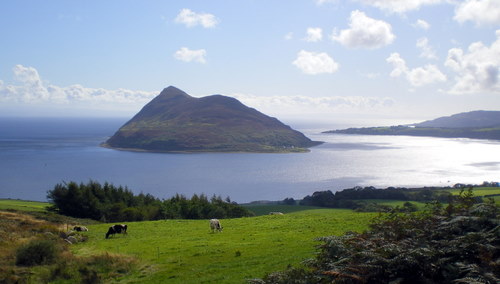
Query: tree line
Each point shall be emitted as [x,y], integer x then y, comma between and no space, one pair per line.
[352,197]
[109,203]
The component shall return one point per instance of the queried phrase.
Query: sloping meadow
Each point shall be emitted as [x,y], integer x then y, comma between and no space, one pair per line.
[186,251]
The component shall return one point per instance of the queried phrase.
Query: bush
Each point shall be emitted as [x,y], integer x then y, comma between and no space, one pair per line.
[37,252]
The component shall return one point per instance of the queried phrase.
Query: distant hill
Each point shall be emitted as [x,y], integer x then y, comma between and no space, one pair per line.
[174,121]
[473,119]
[475,124]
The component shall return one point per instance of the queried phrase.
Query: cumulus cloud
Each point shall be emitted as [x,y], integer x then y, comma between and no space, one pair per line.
[421,24]
[365,32]
[426,51]
[400,6]
[187,55]
[477,69]
[417,77]
[192,19]
[29,88]
[314,34]
[314,63]
[481,12]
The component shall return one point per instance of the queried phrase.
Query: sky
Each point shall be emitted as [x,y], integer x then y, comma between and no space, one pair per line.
[317,60]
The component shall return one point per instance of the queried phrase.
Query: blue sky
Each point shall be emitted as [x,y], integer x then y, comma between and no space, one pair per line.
[301,59]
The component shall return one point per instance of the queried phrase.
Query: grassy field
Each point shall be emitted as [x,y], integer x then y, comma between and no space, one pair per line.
[22,205]
[265,209]
[479,191]
[185,251]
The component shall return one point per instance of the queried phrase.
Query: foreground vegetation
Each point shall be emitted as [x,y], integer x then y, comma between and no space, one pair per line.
[185,251]
[461,236]
[32,250]
[173,251]
[457,243]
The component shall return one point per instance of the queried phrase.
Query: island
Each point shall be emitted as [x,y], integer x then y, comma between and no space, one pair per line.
[478,124]
[177,122]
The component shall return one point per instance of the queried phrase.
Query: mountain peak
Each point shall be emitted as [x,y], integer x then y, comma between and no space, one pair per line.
[173,92]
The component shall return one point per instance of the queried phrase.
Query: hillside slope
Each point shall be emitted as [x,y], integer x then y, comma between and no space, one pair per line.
[475,124]
[472,119]
[175,121]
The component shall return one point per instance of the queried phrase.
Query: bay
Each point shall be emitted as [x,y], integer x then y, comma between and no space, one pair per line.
[38,153]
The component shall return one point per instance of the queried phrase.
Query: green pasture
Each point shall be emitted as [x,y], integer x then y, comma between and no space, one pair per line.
[393,203]
[265,209]
[185,251]
[22,205]
[478,191]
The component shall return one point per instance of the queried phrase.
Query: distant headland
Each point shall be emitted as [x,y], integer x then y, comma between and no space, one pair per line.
[475,124]
[177,122]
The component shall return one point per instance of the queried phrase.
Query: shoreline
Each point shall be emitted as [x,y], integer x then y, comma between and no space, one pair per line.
[208,151]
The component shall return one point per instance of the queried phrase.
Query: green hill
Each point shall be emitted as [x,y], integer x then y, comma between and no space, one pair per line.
[475,125]
[175,121]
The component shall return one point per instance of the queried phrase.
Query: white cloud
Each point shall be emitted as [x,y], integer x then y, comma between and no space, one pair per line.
[285,105]
[421,24]
[321,2]
[400,6]
[314,34]
[426,50]
[192,19]
[288,36]
[30,89]
[313,63]
[481,12]
[365,32]
[188,55]
[417,77]
[477,70]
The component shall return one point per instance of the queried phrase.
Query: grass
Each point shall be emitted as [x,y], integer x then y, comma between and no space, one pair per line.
[394,203]
[22,205]
[265,209]
[478,191]
[185,251]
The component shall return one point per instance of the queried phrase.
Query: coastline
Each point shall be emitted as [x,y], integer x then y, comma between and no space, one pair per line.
[284,151]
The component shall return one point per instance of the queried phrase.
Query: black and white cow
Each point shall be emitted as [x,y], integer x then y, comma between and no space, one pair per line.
[215,225]
[116,229]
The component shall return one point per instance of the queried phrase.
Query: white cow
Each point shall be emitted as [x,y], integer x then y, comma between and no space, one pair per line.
[215,225]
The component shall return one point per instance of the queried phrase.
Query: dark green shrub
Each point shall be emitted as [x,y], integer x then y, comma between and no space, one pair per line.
[37,252]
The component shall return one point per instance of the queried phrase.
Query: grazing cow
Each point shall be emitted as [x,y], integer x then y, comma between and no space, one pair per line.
[80,228]
[275,213]
[116,229]
[215,225]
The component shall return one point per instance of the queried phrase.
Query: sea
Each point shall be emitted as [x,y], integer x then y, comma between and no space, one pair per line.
[38,153]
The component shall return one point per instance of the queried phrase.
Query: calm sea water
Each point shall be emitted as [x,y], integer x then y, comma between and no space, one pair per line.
[36,154]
